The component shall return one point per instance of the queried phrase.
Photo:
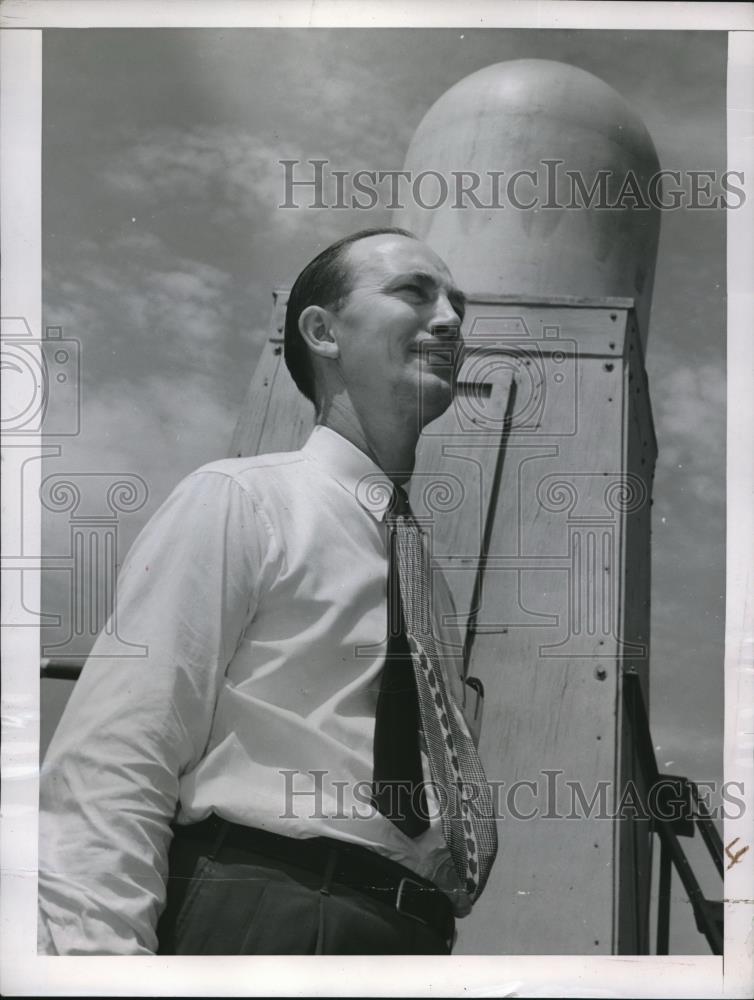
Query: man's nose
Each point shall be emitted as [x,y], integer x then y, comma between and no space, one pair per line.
[446,322]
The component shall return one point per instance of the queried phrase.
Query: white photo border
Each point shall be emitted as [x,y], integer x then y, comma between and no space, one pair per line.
[26,973]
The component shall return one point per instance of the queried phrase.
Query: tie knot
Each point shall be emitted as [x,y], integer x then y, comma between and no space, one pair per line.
[399,505]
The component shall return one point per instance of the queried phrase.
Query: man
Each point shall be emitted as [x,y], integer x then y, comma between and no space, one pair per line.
[298,713]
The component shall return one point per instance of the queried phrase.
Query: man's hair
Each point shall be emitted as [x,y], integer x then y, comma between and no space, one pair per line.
[325,281]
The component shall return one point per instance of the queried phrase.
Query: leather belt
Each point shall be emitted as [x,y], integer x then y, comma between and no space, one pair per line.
[337,862]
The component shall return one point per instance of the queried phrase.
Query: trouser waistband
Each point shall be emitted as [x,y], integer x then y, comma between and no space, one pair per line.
[337,862]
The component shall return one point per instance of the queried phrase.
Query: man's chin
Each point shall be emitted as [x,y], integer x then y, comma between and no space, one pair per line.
[436,396]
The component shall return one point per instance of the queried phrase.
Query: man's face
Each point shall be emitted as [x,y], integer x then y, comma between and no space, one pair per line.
[399,328]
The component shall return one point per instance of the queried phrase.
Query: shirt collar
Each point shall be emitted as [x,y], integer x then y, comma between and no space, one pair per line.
[350,467]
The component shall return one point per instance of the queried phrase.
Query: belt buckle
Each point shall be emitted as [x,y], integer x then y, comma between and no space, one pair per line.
[399,898]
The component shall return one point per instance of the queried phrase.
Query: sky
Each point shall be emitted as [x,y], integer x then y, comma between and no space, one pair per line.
[163,241]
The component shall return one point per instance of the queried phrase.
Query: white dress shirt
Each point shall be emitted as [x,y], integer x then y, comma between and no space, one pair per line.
[259,589]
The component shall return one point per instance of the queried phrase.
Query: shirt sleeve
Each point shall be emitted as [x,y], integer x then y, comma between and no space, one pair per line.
[109,783]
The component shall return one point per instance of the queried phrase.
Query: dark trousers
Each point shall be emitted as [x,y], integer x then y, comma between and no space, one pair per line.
[225,899]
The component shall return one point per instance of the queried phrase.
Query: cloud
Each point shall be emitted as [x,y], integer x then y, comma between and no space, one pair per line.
[690,413]
[219,172]
[204,163]
[692,405]
[136,307]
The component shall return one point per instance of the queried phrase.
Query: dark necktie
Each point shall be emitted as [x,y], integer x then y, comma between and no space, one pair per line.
[398,778]
[461,788]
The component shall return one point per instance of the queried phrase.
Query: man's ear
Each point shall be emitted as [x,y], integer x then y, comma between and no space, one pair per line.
[315,326]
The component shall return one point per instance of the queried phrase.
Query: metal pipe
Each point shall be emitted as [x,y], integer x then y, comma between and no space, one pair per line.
[663,901]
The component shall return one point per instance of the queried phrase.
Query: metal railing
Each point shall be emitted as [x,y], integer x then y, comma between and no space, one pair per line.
[688,815]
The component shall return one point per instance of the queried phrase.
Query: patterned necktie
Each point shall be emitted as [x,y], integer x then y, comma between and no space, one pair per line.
[463,794]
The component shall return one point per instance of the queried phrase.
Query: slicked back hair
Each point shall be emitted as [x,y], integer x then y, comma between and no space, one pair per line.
[325,282]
